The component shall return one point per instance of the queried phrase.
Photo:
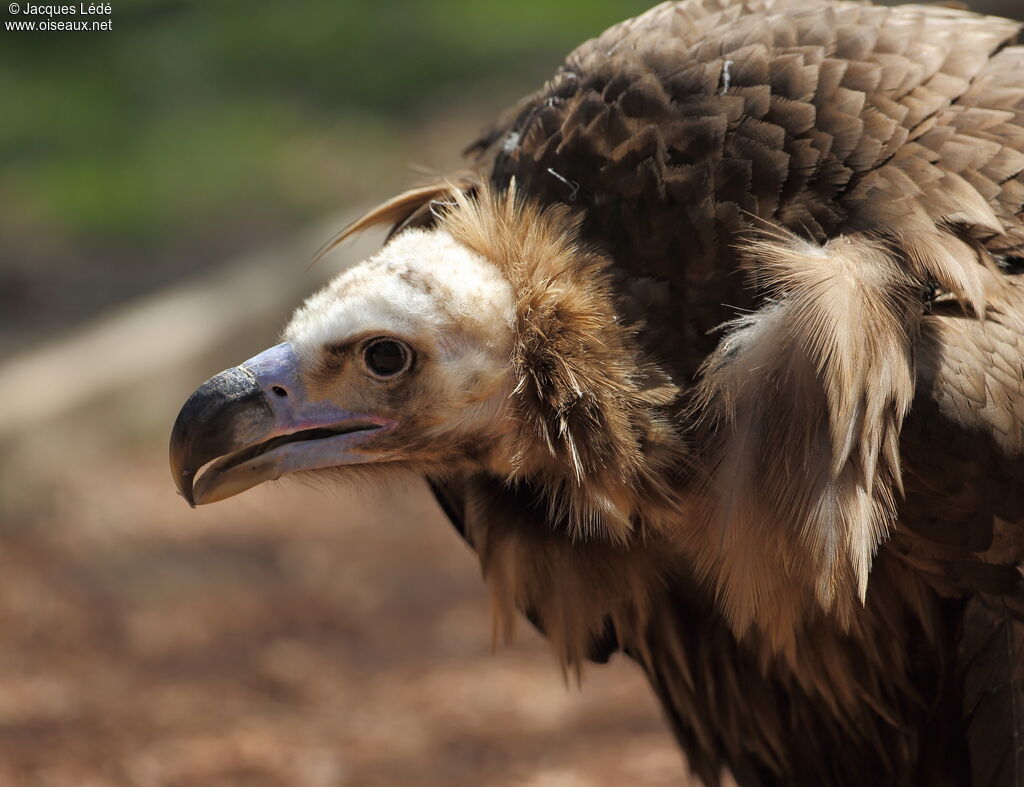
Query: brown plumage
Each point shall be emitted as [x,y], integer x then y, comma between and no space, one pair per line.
[759,418]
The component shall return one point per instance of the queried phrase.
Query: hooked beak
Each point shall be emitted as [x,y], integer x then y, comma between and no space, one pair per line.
[255,423]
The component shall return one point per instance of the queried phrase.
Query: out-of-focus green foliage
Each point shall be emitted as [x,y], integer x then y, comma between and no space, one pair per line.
[190,112]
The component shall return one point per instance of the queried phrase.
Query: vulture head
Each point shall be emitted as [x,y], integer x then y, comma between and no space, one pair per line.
[399,362]
[485,343]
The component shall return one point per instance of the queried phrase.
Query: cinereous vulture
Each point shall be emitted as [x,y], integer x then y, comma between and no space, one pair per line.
[715,355]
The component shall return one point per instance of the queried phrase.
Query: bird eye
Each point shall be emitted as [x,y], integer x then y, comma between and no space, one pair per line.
[386,357]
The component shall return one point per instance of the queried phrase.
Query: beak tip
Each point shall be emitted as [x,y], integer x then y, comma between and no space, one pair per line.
[183,482]
[208,423]
[185,491]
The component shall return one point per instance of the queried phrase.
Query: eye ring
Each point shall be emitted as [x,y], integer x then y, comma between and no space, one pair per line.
[385,358]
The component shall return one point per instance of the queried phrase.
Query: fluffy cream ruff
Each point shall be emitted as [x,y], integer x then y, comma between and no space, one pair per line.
[802,405]
[590,424]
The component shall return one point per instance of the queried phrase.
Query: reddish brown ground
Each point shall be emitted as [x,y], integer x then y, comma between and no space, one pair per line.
[291,636]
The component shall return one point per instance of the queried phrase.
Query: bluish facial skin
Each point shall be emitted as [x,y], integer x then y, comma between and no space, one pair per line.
[256,422]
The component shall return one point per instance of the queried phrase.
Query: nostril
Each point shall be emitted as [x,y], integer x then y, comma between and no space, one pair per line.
[279,391]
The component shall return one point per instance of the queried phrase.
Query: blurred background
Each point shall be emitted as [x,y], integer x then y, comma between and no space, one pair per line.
[163,185]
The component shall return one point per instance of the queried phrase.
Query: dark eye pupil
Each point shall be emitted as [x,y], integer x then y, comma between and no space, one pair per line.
[385,358]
